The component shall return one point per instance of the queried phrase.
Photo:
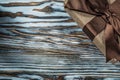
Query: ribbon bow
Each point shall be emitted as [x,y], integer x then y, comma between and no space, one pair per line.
[107,19]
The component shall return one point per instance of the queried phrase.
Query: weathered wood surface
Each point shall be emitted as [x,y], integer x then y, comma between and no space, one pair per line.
[39,40]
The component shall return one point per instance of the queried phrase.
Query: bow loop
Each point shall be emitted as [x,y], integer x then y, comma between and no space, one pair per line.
[115,23]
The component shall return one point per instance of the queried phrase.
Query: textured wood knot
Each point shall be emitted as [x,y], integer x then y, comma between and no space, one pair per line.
[47,9]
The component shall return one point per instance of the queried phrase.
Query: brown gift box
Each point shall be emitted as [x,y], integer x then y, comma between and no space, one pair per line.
[83,19]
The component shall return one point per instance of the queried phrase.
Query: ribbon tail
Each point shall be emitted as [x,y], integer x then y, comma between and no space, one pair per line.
[112,45]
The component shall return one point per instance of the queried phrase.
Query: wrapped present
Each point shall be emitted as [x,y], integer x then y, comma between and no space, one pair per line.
[100,20]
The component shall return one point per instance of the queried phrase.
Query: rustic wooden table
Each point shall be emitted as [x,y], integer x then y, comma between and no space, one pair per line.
[40,41]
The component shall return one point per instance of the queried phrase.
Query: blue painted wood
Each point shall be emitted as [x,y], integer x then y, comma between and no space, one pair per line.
[39,40]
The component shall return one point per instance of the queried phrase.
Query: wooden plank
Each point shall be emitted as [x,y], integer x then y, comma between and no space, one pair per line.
[39,40]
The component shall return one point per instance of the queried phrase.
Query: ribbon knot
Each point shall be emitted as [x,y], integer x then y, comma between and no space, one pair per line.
[110,18]
[109,13]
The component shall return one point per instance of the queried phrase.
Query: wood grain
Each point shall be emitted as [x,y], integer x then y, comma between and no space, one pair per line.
[40,41]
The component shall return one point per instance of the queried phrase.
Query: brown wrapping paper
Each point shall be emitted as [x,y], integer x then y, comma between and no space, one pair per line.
[99,40]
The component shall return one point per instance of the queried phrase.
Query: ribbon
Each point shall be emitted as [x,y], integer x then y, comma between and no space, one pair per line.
[107,19]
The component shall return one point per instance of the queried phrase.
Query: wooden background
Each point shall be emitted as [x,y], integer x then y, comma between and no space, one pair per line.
[40,41]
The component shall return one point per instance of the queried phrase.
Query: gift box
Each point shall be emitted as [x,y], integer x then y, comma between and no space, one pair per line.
[100,20]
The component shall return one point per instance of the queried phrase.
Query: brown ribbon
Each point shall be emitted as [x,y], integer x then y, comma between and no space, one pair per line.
[107,19]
